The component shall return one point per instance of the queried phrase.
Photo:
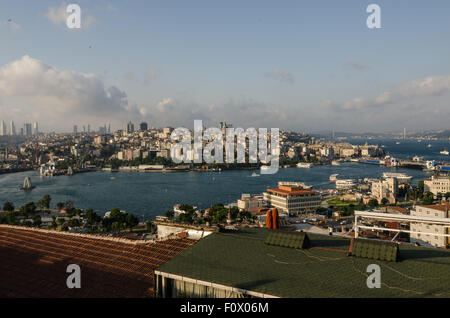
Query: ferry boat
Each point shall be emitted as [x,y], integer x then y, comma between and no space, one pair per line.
[333,177]
[304,165]
[345,184]
[398,176]
[335,163]
[444,152]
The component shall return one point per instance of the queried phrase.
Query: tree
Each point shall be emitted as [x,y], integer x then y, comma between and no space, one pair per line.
[37,221]
[384,201]
[60,205]
[30,208]
[428,198]
[373,203]
[8,207]
[46,199]
[131,221]
[170,214]
[74,223]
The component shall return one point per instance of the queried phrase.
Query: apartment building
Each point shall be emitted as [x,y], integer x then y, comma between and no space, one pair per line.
[292,199]
[385,189]
[435,231]
[437,184]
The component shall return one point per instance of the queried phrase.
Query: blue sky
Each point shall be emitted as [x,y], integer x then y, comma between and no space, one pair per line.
[302,65]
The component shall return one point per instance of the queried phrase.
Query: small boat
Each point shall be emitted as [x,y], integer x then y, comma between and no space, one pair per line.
[304,165]
[444,152]
[335,163]
[254,174]
[27,184]
[112,178]
[429,146]
[333,177]
[397,143]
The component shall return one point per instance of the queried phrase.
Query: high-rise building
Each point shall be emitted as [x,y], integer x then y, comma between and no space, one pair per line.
[27,129]
[75,129]
[109,129]
[2,128]
[12,128]
[35,129]
[130,127]
[89,129]
[84,128]
[143,126]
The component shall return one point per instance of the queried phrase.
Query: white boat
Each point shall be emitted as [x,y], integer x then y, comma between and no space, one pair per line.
[397,143]
[345,184]
[304,165]
[429,146]
[333,177]
[398,176]
[335,163]
[254,174]
[444,152]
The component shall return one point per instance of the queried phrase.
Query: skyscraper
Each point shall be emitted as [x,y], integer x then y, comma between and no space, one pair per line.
[2,128]
[35,129]
[75,129]
[89,129]
[143,126]
[27,130]
[12,128]
[130,127]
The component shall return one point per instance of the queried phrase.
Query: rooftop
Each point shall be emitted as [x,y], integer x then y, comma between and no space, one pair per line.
[290,190]
[34,264]
[241,259]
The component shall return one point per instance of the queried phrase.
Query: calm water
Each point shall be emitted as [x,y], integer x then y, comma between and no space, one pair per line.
[151,194]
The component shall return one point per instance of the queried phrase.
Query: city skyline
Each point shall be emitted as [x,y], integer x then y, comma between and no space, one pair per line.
[303,66]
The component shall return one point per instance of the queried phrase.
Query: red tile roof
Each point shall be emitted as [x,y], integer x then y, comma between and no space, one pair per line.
[34,264]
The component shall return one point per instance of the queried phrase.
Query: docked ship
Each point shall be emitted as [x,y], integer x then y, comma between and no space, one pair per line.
[399,176]
[27,184]
[48,169]
[304,165]
[444,152]
[335,163]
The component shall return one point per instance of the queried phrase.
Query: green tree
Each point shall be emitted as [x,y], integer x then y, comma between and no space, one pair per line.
[8,207]
[60,205]
[373,203]
[46,199]
[37,221]
[131,221]
[170,214]
[384,201]
[30,207]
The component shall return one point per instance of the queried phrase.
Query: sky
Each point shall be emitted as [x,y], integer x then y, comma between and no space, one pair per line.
[295,65]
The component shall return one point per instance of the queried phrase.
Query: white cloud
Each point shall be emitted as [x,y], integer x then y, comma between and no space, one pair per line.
[281,75]
[51,94]
[426,87]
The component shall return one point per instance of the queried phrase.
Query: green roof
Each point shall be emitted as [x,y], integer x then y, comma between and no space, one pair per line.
[241,259]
